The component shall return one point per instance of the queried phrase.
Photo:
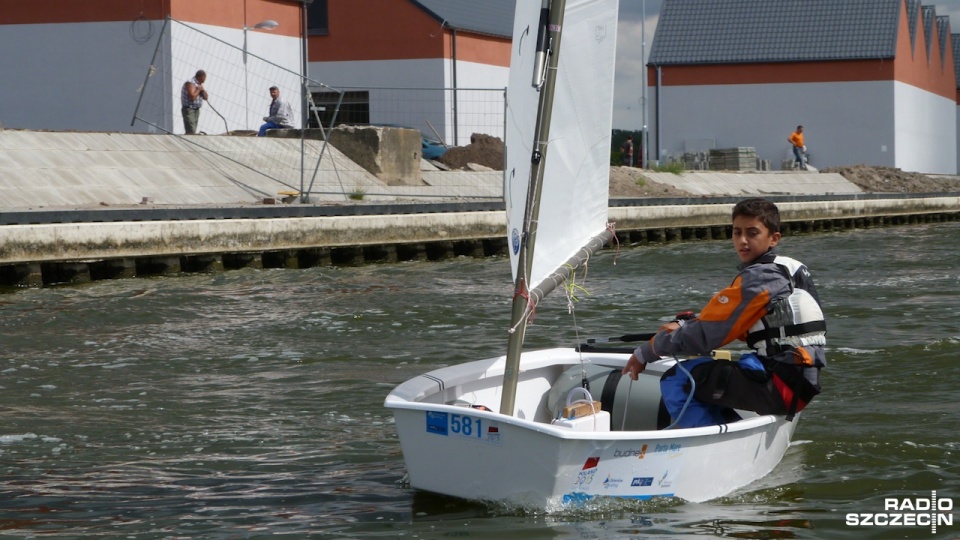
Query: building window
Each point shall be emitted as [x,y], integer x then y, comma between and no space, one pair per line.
[354,109]
[317,20]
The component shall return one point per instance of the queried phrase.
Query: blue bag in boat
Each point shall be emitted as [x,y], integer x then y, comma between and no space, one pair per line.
[675,388]
[752,362]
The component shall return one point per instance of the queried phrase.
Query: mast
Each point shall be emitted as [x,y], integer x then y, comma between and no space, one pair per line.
[548,44]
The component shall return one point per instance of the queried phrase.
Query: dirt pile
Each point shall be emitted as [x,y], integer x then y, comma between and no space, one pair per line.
[483,149]
[630,182]
[892,180]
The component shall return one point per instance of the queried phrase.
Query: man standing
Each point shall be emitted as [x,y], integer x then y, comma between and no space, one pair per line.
[626,151]
[192,96]
[796,139]
[281,115]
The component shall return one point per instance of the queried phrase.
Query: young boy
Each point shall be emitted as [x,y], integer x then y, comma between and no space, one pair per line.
[772,304]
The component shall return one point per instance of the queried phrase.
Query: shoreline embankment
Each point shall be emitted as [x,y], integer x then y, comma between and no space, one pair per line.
[40,248]
[76,207]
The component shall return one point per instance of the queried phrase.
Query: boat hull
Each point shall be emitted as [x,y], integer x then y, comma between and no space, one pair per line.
[452,448]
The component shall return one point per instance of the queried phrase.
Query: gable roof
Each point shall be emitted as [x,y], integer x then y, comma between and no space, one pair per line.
[943,38]
[929,14]
[750,31]
[490,17]
[956,57]
[913,7]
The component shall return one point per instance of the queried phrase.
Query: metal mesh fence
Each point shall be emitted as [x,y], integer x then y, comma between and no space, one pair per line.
[450,115]
[237,83]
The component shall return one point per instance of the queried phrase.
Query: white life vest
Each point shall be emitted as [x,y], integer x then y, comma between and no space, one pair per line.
[795,321]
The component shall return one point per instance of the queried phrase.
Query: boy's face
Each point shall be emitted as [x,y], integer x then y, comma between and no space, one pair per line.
[751,238]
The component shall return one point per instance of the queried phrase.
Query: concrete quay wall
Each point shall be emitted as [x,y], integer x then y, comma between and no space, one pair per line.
[50,253]
[709,215]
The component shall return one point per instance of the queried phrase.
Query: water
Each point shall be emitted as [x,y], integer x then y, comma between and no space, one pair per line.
[248,404]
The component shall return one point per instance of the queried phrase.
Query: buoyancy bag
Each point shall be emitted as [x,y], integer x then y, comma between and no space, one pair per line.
[633,405]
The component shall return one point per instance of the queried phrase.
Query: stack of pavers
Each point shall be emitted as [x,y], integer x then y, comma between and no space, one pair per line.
[695,161]
[733,159]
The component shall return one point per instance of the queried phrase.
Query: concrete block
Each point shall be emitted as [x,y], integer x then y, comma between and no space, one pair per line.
[391,154]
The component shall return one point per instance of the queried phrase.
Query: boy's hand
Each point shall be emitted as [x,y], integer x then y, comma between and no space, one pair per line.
[670,326]
[634,367]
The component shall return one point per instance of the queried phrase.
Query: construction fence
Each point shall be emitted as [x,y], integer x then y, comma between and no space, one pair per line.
[237,83]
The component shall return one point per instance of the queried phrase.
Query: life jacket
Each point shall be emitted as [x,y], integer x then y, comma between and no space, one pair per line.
[792,322]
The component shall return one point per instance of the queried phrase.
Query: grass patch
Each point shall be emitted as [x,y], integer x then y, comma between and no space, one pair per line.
[357,194]
[674,167]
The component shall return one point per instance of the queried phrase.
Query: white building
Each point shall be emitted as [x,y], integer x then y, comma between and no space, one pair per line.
[94,65]
[872,81]
[434,65]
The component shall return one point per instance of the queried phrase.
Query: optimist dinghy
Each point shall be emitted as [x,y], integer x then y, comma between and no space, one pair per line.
[520,429]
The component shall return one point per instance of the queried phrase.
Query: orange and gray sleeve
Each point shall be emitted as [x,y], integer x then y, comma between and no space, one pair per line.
[727,317]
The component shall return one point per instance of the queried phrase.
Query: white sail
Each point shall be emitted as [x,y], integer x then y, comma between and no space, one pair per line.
[575,191]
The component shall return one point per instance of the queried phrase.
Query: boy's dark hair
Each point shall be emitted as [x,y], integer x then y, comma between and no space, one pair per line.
[762,209]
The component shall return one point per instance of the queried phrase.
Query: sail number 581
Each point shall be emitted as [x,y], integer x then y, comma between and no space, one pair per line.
[466,426]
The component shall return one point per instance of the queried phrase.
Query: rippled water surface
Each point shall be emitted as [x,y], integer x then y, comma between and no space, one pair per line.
[249,404]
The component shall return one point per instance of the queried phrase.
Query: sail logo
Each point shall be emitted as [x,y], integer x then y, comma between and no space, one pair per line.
[437,422]
[612,483]
[493,434]
[600,33]
[665,480]
[589,470]
[515,241]
[630,452]
[908,512]
[669,448]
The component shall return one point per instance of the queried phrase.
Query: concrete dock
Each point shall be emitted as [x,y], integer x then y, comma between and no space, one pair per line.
[82,206]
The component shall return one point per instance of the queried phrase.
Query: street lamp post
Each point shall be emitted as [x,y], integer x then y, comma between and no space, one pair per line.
[643,83]
[268,24]
[304,94]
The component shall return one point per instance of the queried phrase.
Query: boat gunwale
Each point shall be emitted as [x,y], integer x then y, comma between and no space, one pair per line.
[540,359]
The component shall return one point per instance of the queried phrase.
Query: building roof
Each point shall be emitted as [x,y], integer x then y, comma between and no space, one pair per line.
[956,57]
[750,31]
[913,7]
[490,17]
[943,38]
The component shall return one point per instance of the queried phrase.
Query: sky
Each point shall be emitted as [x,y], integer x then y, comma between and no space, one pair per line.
[627,93]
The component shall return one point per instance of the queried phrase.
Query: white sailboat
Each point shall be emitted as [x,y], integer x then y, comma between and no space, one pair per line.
[518,429]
